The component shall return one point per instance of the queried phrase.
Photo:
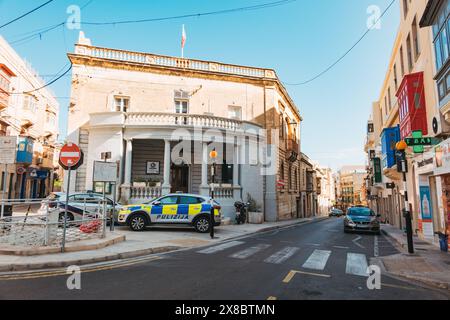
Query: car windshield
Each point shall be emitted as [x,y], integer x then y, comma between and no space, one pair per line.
[364,212]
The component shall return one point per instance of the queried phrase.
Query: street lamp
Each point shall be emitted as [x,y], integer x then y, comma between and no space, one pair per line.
[213,155]
[401,147]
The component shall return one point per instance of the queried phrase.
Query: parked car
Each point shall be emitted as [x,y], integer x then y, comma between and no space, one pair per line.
[361,218]
[188,209]
[336,213]
[79,204]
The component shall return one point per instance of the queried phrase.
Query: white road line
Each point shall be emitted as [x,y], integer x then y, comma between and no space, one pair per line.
[221,247]
[282,255]
[250,251]
[356,264]
[355,241]
[317,260]
[341,247]
[376,250]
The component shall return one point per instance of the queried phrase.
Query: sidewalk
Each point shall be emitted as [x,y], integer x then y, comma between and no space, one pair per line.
[428,265]
[154,240]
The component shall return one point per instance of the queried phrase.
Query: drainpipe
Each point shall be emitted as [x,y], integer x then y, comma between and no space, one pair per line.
[264,177]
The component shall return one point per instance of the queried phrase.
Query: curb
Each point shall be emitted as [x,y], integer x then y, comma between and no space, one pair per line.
[425,281]
[80,262]
[130,254]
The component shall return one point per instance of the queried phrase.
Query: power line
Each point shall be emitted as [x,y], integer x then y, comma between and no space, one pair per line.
[42,31]
[26,14]
[249,8]
[345,54]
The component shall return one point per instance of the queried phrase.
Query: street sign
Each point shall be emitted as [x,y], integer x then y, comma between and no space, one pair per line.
[70,156]
[8,147]
[21,170]
[424,141]
[105,171]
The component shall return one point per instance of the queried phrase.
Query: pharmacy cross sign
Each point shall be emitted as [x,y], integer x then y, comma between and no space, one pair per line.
[70,155]
[418,142]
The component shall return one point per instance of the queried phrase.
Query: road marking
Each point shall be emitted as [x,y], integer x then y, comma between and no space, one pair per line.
[221,247]
[376,250]
[250,251]
[355,241]
[317,260]
[398,287]
[313,244]
[292,273]
[63,272]
[282,255]
[341,247]
[272,298]
[356,264]
[289,276]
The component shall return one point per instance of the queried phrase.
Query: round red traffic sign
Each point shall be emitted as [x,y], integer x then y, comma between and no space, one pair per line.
[70,155]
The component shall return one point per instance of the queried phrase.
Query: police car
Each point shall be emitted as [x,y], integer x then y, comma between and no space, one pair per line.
[189,209]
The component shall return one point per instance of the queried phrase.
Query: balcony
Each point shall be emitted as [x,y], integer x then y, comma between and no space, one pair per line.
[292,149]
[412,105]
[167,120]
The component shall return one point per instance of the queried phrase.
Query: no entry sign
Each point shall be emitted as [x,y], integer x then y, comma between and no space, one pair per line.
[70,156]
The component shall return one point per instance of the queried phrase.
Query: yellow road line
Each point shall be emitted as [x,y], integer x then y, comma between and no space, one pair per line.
[292,273]
[289,277]
[397,287]
[48,274]
[272,298]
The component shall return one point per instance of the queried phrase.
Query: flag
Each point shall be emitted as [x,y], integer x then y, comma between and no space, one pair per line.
[183,37]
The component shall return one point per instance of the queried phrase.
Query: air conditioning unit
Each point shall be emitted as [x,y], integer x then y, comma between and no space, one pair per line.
[440,126]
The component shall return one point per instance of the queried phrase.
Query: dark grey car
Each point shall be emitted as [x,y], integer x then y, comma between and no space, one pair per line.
[362,219]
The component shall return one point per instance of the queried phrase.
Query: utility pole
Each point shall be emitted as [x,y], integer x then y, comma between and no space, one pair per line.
[401,148]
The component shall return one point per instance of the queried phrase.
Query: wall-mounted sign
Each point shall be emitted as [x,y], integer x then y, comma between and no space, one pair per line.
[8,146]
[153,167]
[378,177]
[105,171]
[390,185]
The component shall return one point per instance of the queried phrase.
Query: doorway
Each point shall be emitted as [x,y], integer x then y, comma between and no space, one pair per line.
[180,178]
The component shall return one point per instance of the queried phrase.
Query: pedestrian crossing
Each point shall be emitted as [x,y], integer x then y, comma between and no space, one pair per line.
[356,263]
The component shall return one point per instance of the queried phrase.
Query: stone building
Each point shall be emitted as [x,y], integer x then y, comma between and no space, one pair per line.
[160,117]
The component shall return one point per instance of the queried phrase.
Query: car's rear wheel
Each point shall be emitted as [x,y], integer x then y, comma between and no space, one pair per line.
[202,224]
[70,217]
[137,222]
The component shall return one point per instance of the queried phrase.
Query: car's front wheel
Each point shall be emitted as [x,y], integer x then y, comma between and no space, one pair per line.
[137,222]
[202,224]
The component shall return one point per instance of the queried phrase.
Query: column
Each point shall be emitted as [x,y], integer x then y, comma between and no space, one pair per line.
[236,166]
[166,187]
[204,187]
[126,187]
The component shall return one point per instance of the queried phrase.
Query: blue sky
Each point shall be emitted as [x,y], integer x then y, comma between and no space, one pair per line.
[299,40]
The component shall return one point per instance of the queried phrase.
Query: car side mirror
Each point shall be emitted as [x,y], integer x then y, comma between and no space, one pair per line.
[157,203]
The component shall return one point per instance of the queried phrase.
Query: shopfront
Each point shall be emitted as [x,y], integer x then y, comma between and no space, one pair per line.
[442,175]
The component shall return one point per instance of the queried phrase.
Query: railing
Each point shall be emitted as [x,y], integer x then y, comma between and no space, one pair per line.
[223,192]
[145,193]
[177,119]
[28,224]
[173,62]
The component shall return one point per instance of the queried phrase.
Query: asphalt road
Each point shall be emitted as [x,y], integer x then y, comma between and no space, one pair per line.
[312,261]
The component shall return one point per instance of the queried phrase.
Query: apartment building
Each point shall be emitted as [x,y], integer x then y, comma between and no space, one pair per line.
[160,116]
[31,114]
[408,106]
[350,181]
[326,197]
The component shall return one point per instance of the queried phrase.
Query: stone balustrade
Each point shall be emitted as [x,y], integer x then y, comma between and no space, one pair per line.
[173,62]
[176,119]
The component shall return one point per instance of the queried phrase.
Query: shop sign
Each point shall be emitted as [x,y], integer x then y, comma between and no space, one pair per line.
[426,209]
[378,178]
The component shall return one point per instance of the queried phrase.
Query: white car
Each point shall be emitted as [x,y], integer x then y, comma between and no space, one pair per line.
[80,204]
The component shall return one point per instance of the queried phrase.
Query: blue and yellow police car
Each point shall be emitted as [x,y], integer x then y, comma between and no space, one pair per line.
[189,209]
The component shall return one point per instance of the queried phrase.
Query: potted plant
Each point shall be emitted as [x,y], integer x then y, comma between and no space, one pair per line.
[255,215]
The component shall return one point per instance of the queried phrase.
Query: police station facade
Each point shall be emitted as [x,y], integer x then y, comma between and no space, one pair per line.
[161,116]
